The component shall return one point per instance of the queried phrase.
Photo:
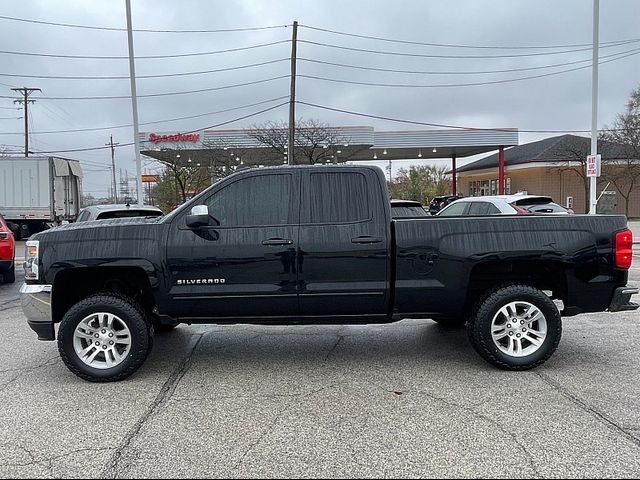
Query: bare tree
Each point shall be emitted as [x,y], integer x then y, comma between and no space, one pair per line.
[420,183]
[573,159]
[315,142]
[623,168]
[189,177]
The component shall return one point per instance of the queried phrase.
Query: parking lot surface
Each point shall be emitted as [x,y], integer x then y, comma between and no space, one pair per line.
[402,400]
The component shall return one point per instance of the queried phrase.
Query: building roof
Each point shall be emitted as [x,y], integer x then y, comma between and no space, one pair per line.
[562,148]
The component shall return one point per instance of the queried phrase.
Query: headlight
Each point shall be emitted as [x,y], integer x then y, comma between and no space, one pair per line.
[32,249]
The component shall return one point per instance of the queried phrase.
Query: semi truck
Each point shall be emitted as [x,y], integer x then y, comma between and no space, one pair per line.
[37,192]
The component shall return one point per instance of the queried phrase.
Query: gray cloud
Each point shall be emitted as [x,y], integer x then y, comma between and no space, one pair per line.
[557,102]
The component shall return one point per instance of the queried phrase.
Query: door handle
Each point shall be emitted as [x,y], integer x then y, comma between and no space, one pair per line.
[271,242]
[366,240]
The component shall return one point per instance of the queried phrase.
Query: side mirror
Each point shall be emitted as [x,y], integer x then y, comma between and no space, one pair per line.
[199,217]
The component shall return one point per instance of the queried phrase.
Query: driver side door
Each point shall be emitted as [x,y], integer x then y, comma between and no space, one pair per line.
[246,265]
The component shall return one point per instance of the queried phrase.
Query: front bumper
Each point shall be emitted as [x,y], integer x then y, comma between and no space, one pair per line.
[36,305]
[622,299]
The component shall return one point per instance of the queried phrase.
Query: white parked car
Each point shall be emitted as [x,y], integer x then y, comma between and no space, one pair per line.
[503,205]
[104,212]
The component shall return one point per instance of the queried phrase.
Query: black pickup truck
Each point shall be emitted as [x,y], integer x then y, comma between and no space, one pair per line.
[296,245]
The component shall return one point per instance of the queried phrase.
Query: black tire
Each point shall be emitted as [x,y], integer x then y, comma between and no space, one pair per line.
[451,322]
[10,275]
[130,314]
[480,335]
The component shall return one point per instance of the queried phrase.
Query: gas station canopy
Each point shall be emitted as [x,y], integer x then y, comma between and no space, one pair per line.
[350,143]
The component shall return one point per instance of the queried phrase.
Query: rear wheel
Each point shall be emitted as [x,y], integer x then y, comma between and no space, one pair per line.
[517,327]
[104,338]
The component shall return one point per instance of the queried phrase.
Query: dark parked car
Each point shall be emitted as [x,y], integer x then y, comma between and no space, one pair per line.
[105,212]
[441,201]
[407,209]
[292,245]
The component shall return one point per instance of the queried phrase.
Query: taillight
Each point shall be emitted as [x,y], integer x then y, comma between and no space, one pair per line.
[624,249]
[520,210]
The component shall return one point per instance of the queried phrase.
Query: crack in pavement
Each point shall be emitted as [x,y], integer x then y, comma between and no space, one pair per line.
[21,371]
[48,460]
[528,456]
[598,415]
[271,427]
[111,470]
[340,338]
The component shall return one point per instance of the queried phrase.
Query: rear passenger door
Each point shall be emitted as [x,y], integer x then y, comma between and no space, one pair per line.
[344,248]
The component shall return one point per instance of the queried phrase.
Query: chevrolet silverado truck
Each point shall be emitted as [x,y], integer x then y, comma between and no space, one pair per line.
[317,244]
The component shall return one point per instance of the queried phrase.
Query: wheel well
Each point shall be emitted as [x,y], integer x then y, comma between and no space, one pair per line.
[73,285]
[543,275]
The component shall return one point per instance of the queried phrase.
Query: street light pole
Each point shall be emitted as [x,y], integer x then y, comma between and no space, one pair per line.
[134,105]
[594,104]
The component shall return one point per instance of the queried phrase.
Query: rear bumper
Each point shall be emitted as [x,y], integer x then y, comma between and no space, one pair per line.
[622,299]
[36,305]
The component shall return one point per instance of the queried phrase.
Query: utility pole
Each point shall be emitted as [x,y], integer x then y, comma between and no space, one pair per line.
[292,97]
[113,167]
[134,105]
[593,201]
[25,92]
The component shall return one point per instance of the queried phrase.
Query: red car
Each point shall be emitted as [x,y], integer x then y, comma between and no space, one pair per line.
[7,253]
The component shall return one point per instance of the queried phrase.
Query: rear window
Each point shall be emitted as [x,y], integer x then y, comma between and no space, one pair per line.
[128,214]
[339,197]
[544,208]
[406,211]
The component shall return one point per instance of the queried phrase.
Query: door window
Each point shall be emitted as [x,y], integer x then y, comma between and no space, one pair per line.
[255,201]
[338,197]
[454,210]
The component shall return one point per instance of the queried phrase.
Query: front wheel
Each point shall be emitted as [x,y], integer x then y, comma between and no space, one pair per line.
[104,338]
[517,327]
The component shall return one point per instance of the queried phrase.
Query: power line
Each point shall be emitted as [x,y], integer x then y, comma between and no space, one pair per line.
[146,30]
[126,77]
[431,124]
[426,55]
[452,45]
[144,57]
[155,122]
[470,84]
[164,94]
[191,131]
[468,72]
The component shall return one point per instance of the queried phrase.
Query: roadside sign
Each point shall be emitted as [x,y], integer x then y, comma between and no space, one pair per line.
[150,178]
[594,165]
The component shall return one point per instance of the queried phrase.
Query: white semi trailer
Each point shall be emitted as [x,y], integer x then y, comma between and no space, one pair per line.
[36,192]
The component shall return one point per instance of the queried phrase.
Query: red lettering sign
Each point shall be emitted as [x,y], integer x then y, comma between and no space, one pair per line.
[176,137]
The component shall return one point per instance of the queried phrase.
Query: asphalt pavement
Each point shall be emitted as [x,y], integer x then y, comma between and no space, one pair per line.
[408,399]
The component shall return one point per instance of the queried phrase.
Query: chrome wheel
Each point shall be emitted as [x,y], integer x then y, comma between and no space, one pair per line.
[519,329]
[102,340]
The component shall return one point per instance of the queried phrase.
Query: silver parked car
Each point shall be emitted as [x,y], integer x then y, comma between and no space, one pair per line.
[503,205]
[103,212]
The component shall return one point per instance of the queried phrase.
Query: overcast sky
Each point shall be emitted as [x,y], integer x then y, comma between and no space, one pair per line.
[555,102]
